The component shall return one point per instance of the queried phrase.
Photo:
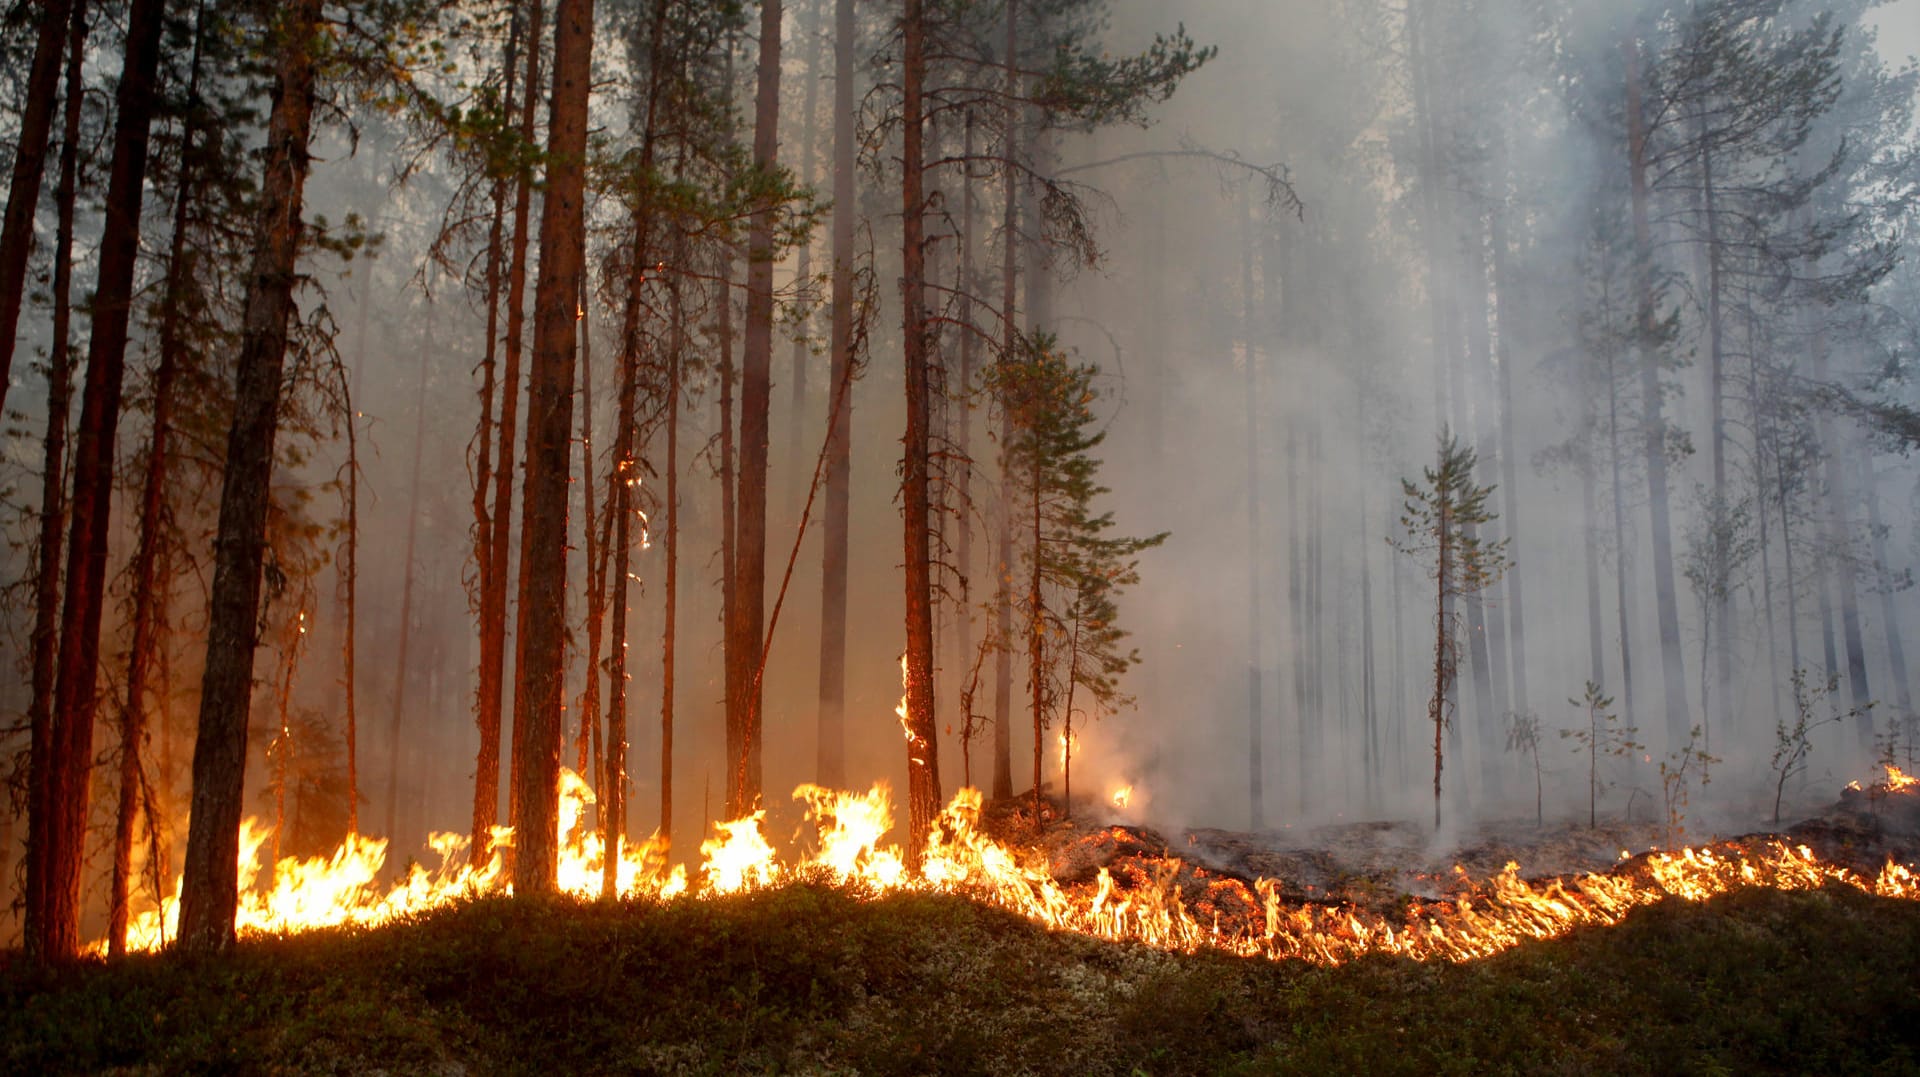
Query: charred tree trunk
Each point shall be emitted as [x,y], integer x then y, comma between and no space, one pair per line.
[209,892]
[543,529]
[923,747]
[29,164]
[76,691]
[53,504]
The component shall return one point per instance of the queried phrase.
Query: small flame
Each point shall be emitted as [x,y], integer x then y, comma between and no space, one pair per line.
[1898,780]
[1123,796]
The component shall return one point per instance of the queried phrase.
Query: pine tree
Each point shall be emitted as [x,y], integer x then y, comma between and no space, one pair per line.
[1439,518]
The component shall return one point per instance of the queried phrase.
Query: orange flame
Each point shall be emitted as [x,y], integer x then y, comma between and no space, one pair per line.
[1487,918]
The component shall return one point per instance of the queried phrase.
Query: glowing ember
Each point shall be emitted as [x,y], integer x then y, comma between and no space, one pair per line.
[1487,918]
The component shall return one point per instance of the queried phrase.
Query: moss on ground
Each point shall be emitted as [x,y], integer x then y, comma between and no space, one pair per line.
[805,979]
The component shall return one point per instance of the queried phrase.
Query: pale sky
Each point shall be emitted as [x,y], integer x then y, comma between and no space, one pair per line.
[1899,24]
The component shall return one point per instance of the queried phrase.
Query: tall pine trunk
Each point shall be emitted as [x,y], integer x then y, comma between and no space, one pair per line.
[1653,424]
[146,570]
[538,693]
[55,932]
[29,164]
[210,893]
[493,613]
[756,388]
[830,738]
[487,690]
[53,504]
[1009,345]
[923,747]
[401,668]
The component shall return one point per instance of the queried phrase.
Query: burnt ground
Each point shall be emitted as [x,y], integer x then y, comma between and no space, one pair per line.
[1383,866]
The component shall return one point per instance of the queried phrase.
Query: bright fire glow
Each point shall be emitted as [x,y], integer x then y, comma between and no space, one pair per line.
[1123,796]
[1153,907]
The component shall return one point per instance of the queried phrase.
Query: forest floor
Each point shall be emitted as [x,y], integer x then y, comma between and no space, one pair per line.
[809,978]
[805,978]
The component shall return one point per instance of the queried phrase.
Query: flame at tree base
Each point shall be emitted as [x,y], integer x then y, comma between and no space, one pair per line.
[1492,916]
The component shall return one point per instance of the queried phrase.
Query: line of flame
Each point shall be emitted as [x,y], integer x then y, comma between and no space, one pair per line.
[343,889]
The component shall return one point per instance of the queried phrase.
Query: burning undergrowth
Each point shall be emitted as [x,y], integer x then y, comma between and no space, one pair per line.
[1359,895]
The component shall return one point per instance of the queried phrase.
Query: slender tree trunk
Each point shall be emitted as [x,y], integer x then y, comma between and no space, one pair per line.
[401,669]
[1009,344]
[76,691]
[1589,532]
[538,696]
[963,442]
[1889,612]
[676,344]
[210,891]
[596,529]
[923,747]
[1652,421]
[756,387]
[351,566]
[149,551]
[1509,301]
[1623,594]
[53,504]
[1443,659]
[29,164]
[806,25]
[830,739]
[493,617]
[487,692]
[622,479]
[1037,645]
[1836,449]
[1256,552]
[1722,614]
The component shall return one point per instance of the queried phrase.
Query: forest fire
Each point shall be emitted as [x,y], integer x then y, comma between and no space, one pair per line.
[1150,905]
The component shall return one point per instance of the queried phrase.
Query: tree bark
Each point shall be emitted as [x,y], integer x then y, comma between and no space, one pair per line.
[487,692]
[543,528]
[210,892]
[400,665]
[1009,345]
[29,164]
[756,389]
[150,549]
[53,504]
[493,616]
[830,739]
[76,692]
[923,747]
[1652,421]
